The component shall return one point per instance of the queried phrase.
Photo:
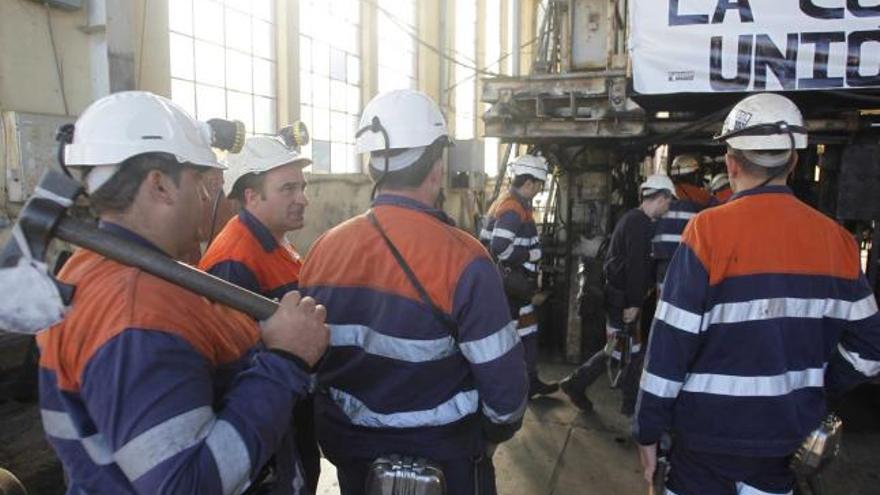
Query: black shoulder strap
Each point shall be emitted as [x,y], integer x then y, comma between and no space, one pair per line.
[441,316]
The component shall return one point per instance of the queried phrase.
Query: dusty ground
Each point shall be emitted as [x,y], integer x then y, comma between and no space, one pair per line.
[562,451]
[559,450]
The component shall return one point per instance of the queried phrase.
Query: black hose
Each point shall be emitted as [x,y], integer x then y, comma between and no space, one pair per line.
[857,96]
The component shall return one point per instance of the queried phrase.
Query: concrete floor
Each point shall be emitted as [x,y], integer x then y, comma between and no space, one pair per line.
[561,451]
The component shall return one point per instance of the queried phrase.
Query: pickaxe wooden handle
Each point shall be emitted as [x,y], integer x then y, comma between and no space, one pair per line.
[45,216]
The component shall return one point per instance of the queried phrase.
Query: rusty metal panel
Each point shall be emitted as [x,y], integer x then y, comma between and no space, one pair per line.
[589,34]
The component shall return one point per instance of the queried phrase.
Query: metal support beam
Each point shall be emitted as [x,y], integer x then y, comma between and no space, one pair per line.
[574,329]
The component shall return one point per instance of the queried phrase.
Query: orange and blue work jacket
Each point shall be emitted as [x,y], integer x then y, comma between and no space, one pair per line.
[764,311]
[149,388]
[667,236]
[510,233]
[396,378]
[247,254]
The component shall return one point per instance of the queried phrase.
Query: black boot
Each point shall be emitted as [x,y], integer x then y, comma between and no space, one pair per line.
[537,387]
[576,394]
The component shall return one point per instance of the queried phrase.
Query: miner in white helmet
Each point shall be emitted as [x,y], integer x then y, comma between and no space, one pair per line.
[690,199]
[719,188]
[425,362]
[629,279]
[765,314]
[511,235]
[146,387]
[252,251]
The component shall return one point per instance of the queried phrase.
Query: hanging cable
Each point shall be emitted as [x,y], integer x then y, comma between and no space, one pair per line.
[407,30]
[503,57]
[58,71]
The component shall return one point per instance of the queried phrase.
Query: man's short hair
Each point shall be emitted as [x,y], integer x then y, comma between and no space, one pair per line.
[412,176]
[118,193]
[254,181]
[761,171]
[520,180]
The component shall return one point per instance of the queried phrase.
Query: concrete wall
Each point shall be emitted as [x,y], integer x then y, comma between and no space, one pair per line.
[332,200]
[28,78]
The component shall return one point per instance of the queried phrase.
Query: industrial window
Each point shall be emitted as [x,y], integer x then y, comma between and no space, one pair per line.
[330,81]
[492,63]
[465,79]
[223,60]
[396,28]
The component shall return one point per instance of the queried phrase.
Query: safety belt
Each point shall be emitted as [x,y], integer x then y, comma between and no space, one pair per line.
[439,314]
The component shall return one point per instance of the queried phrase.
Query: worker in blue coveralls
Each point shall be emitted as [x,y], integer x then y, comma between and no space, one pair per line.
[511,235]
[252,251]
[690,199]
[146,387]
[629,279]
[765,312]
[425,360]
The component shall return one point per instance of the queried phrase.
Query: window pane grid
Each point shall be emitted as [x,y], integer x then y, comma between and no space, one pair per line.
[396,46]
[492,43]
[465,78]
[223,60]
[330,81]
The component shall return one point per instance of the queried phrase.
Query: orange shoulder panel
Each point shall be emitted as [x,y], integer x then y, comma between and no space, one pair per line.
[237,243]
[354,255]
[508,202]
[111,298]
[771,233]
[233,243]
[692,193]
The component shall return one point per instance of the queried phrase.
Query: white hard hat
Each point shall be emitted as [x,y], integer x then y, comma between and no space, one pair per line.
[411,121]
[718,182]
[260,154]
[536,166]
[122,125]
[764,121]
[657,182]
[684,164]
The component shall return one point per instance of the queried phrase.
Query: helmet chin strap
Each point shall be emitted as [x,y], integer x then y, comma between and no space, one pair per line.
[64,136]
[376,126]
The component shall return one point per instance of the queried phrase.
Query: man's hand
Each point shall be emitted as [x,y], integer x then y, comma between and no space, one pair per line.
[630,315]
[648,456]
[298,328]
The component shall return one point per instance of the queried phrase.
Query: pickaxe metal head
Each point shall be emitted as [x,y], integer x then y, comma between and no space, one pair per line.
[53,196]
[34,299]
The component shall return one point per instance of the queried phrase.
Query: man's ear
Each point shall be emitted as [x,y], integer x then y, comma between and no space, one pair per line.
[159,187]
[250,196]
[732,165]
